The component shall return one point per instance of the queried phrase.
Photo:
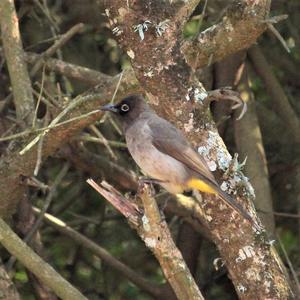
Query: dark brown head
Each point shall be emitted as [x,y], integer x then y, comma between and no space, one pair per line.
[128,109]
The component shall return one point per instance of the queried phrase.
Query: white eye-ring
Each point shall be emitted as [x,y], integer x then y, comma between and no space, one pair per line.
[125,107]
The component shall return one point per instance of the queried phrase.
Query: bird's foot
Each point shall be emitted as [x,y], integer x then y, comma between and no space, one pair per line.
[142,181]
[149,180]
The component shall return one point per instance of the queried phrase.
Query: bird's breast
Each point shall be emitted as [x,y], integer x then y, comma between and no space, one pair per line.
[153,162]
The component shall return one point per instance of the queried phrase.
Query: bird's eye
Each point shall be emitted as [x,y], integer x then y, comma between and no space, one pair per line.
[125,107]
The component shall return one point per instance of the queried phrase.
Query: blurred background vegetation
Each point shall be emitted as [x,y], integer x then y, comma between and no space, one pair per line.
[41,23]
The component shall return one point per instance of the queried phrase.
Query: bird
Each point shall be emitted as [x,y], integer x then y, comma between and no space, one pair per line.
[164,154]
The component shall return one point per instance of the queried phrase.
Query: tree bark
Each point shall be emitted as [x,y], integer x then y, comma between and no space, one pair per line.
[14,54]
[155,233]
[244,21]
[175,94]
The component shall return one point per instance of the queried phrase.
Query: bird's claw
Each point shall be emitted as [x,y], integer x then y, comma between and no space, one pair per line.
[150,180]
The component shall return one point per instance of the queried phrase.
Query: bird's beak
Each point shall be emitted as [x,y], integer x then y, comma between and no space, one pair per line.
[109,107]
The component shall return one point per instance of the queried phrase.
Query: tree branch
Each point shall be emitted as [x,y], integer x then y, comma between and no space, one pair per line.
[23,223]
[84,74]
[58,44]
[243,23]
[101,252]
[157,237]
[183,9]
[176,94]
[15,166]
[14,54]
[36,265]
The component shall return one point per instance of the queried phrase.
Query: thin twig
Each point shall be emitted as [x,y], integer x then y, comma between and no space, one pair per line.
[97,250]
[59,93]
[39,220]
[43,99]
[279,37]
[49,95]
[54,122]
[45,10]
[83,74]
[88,138]
[275,19]
[128,209]
[39,156]
[114,125]
[34,182]
[200,18]
[292,269]
[114,96]
[48,201]
[58,44]
[226,93]
[11,128]
[39,98]
[51,39]
[83,219]
[117,87]
[39,148]
[102,140]
[29,131]
[17,135]
[280,214]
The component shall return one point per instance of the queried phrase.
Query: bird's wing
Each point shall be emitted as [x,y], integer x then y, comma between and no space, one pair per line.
[169,140]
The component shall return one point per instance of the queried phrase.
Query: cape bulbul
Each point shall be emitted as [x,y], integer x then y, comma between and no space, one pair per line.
[163,153]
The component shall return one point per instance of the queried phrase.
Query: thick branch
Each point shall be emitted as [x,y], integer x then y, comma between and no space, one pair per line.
[174,93]
[87,75]
[157,237]
[36,265]
[183,9]
[243,23]
[14,54]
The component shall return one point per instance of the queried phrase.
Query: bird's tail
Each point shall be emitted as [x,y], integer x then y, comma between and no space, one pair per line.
[213,188]
[234,205]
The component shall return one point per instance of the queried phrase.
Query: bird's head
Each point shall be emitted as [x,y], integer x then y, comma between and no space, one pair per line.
[128,109]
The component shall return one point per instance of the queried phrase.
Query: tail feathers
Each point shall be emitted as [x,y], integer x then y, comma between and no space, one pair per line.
[207,186]
[238,208]
[234,205]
